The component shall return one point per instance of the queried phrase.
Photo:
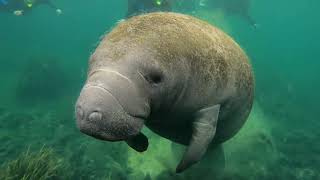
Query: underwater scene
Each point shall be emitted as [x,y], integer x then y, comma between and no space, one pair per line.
[85,82]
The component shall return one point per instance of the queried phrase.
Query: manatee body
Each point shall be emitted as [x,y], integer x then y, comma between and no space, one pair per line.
[181,77]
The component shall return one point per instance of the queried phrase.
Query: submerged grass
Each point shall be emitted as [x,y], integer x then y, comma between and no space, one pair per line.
[42,165]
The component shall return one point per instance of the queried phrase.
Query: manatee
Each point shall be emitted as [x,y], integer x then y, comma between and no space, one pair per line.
[181,77]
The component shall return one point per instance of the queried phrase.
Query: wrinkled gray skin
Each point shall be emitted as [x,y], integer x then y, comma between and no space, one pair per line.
[181,77]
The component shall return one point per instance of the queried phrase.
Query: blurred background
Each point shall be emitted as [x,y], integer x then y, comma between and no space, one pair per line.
[43,64]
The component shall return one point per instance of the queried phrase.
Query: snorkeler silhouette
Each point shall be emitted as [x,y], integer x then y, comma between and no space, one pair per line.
[233,7]
[136,7]
[186,6]
[21,7]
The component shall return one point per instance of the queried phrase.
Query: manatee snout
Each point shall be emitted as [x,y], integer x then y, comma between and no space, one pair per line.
[104,108]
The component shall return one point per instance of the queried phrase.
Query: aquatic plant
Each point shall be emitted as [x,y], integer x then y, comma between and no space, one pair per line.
[42,165]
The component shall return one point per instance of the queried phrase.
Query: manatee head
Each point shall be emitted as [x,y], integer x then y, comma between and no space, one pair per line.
[113,105]
[117,98]
[129,80]
[120,95]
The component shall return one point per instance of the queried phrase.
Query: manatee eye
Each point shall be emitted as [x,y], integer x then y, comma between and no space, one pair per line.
[154,77]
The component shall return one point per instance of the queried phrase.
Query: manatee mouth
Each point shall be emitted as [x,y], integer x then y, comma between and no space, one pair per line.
[105,136]
[112,131]
[101,115]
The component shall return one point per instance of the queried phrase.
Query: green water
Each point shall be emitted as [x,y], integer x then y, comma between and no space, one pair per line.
[43,63]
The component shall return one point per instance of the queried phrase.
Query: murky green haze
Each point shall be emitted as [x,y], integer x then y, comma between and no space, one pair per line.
[43,63]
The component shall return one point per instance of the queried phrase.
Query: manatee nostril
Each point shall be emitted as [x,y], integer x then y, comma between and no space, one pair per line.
[95,116]
[80,113]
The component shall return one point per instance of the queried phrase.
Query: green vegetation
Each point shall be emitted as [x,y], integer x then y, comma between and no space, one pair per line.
[42,165]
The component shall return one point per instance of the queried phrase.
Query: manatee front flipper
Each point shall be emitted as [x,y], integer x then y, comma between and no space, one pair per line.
[204,129]
[139,143]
